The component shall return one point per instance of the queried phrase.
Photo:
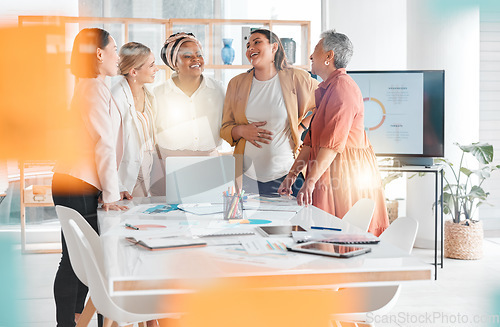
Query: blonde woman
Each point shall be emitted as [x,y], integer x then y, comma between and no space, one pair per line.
[137,106]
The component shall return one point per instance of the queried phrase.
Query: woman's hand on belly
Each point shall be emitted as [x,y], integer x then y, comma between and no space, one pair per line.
[253,133]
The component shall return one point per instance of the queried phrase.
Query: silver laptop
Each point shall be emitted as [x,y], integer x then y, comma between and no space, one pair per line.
[198,179]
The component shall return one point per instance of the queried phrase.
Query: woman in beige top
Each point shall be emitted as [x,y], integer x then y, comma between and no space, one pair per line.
[265,111]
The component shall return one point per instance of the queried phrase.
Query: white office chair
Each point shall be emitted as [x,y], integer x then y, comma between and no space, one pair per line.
[198,179]
[361,213]
[380,299]
[65,215]
[137,304]
[104,303]
[401,233]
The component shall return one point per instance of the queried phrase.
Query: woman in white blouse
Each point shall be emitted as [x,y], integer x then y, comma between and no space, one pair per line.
[92,175]
[137,106]
[189,104]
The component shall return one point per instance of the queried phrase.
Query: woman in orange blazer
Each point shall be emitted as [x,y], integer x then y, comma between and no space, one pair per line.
[265,113]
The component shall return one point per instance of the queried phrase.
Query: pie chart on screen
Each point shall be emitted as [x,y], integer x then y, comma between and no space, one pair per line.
[374,113]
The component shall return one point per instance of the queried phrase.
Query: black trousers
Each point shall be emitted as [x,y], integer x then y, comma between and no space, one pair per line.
[69,291]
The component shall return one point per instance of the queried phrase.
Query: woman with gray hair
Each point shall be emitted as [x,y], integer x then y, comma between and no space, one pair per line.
[342,167]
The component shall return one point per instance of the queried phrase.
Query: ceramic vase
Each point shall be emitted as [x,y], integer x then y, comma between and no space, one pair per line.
[227,52]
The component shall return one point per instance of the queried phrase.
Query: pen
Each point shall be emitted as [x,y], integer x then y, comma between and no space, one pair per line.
[131,226]
[326,228]
[240,221]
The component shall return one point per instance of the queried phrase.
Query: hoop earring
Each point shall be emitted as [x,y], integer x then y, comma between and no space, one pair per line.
[327,62]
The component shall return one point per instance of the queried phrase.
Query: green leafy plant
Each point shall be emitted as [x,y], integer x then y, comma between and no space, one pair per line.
[463,191]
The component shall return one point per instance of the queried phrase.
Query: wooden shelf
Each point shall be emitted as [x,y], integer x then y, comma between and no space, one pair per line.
[38,205]
[39,170]
[42,248]
[212,34]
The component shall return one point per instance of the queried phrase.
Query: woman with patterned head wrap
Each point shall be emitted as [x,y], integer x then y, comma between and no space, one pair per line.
[189,104]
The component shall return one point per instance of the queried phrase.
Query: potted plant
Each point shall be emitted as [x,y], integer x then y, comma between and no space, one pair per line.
[462,195]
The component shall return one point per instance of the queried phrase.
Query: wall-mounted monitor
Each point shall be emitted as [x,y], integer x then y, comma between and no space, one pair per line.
[404,113]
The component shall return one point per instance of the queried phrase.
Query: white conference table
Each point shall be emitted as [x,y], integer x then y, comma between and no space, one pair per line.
[132,270]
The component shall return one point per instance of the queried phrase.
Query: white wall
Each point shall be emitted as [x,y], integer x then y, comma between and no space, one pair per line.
[444,34]
[489,113]
[420,34]
[377,30]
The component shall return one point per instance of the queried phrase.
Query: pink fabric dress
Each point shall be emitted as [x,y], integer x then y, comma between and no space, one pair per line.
[338,124]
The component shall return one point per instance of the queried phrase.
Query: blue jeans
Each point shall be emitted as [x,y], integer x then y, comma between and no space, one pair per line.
[270,188]
[69,291]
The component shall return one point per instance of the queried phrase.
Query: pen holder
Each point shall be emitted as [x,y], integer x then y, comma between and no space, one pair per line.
[233,207]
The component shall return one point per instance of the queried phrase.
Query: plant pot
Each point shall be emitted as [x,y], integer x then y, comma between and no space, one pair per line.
[462,241]
[392,210]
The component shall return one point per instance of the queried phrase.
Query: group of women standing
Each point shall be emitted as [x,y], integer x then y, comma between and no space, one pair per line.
[263,114]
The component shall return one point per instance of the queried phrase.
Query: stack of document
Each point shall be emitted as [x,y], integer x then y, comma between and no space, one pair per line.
[272,204]
[334,237]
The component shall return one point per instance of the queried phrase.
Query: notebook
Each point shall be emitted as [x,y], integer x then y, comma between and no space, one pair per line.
[335,237]
[166,243]
[227,233]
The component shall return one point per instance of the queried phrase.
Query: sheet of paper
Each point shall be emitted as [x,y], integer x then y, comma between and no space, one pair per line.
[151,209]
[283,260]
[260,245]
[202,208]
[212,241]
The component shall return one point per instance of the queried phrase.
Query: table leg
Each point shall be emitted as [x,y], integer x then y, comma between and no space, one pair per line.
[442,220]
[435,226]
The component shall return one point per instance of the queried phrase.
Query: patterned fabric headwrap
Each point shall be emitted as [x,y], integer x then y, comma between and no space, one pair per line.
[172,45]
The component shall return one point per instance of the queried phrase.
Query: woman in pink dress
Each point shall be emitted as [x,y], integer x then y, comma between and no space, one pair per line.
[341,165]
